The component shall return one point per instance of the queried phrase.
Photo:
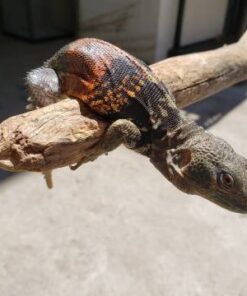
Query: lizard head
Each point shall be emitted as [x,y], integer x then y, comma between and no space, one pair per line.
[197,162]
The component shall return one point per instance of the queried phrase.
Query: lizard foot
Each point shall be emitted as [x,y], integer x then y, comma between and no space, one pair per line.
[121,131]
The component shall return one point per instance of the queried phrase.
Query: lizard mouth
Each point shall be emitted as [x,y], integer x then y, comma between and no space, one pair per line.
[237,205]
[179,175]
[227,204]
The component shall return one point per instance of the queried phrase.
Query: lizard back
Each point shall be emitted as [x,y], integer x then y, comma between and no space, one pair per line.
[113,83]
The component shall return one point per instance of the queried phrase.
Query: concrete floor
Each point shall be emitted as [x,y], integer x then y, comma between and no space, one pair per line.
[116,226]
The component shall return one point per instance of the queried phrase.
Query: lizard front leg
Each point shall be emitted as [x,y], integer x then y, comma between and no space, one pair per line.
[121,131]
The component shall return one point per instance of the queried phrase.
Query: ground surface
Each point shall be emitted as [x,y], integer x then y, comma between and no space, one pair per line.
[116,226]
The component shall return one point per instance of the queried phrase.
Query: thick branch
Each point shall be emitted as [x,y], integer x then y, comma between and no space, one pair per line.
[63,133]
[193,77]
[54,136]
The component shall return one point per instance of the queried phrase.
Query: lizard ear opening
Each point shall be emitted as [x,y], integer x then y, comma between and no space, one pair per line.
[182,158]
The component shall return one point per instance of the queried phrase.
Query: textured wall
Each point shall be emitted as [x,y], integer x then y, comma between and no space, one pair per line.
[131,24]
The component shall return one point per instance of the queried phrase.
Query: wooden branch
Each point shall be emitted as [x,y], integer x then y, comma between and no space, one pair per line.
[54,136]
[193,77]
[61,134]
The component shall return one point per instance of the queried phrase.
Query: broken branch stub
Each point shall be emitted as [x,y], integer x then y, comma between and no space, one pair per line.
[47,138]
[61,134]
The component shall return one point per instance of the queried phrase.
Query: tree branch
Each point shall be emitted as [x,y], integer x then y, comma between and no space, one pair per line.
[193,77]
[61,134]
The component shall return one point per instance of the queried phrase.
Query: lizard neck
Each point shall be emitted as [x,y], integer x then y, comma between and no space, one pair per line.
[172,152]
[182,134]
[164,114]
[169,124]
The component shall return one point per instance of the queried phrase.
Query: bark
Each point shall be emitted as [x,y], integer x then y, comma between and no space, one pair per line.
[193,77]
[61,134]
[54,136]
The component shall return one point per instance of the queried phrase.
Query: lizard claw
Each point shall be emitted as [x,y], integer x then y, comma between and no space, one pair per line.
[74,167]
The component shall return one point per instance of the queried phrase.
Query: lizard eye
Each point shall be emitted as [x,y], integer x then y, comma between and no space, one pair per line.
[225,180]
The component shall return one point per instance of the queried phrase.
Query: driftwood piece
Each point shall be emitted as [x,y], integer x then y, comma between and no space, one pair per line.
[61,134]
[47,138]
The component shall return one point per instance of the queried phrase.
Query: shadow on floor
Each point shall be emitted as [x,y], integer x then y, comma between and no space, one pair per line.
[214,108]
[4,175]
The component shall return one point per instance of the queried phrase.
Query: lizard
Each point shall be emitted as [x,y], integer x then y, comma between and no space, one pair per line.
[114,84]
[143,115]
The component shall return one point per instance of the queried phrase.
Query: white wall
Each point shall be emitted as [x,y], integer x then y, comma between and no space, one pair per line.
[146,28]
[166,27]
[131,24]
[203,20]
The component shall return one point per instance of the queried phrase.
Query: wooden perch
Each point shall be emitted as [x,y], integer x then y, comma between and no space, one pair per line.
[50,137]
[60,134]
[193,77]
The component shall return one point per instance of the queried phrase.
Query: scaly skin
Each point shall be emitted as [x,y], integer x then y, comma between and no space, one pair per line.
[112,83]
[197,162]
[144,116]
